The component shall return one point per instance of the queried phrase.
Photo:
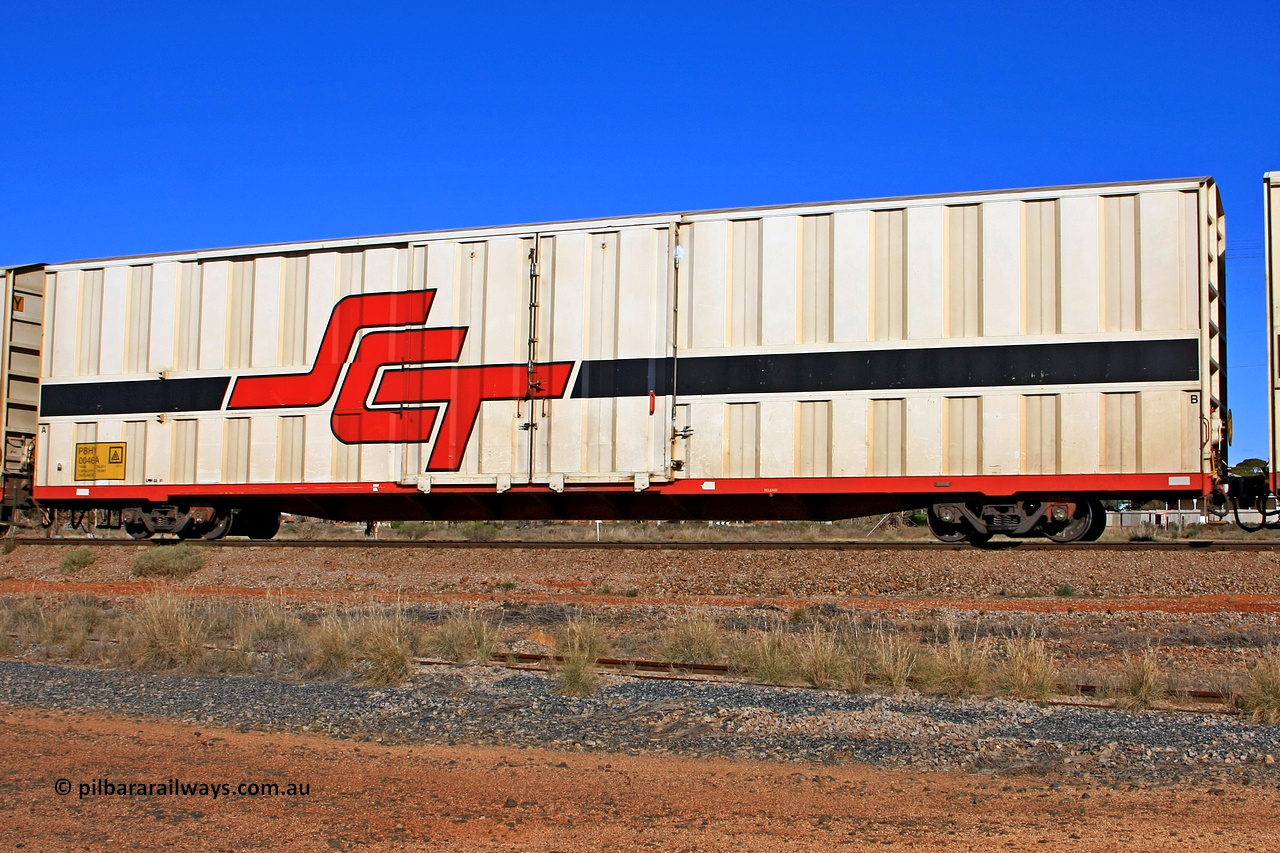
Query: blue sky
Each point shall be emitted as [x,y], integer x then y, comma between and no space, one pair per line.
[148,127]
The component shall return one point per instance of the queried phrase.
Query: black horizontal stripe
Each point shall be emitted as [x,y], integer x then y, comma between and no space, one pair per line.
[133,397]
[624,377]
[1075,363]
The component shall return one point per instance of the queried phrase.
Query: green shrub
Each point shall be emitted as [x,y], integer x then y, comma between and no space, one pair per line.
[78,559]
[168,561]
[414,530]
[480,531]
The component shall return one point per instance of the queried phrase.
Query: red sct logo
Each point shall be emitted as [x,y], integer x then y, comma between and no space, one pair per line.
[402,385]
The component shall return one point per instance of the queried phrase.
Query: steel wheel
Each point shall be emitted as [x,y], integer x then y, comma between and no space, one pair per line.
[944,532]
[1099,521]
[1076,528]
[221,525]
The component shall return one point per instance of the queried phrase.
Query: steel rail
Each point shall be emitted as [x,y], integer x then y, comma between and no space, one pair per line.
[1087,693]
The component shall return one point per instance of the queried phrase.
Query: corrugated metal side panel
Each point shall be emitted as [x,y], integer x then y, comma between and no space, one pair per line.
[1040,433]
[22,374]
[888,298]
[346,462]
[967,272]
[159,450]
[813,439]
[887,438]
[111,322]
[745,309]
[742,440]
[1120,430]
[1189,417]
[135,442]
[293,313]
[88,339]
[815,280]
[1120,263]
[185,446]
[962,423]
[240,315]
[1041,291]
[964,271]
[348,280]
[137,329]
[187,329]
[235,450]
[291,435]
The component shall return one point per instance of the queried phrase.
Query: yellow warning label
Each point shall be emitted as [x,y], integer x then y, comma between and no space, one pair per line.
[100,460]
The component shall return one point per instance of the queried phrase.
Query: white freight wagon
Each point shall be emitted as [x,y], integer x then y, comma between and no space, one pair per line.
[1005,358]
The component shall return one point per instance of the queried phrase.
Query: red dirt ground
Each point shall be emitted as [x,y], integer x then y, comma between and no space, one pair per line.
[1231,603]
[372,797]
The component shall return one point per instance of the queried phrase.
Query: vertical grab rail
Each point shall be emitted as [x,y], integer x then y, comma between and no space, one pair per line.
[534,385]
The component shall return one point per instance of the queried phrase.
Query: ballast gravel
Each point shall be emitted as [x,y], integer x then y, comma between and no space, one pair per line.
[497,706]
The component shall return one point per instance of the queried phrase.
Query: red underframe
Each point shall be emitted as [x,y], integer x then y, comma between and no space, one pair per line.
[995,486]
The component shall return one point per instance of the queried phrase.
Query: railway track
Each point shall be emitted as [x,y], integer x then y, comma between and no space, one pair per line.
[570,545]
[1083,695]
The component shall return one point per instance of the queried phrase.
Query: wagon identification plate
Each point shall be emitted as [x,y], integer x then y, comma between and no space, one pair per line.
[100,461]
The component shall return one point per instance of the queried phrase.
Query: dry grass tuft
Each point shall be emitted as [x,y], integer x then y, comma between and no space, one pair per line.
[577,676]
[821,660]
[71,626]
[1028,671]
[1144,683]
[269,634]
[583,637]
[332,646]
[959,668]
[580,645]
[769,657]
[464,637]
[168,561]
[386,644]
[695,639]
[893,661]
[1261,697]
[25,616]
[165,633]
